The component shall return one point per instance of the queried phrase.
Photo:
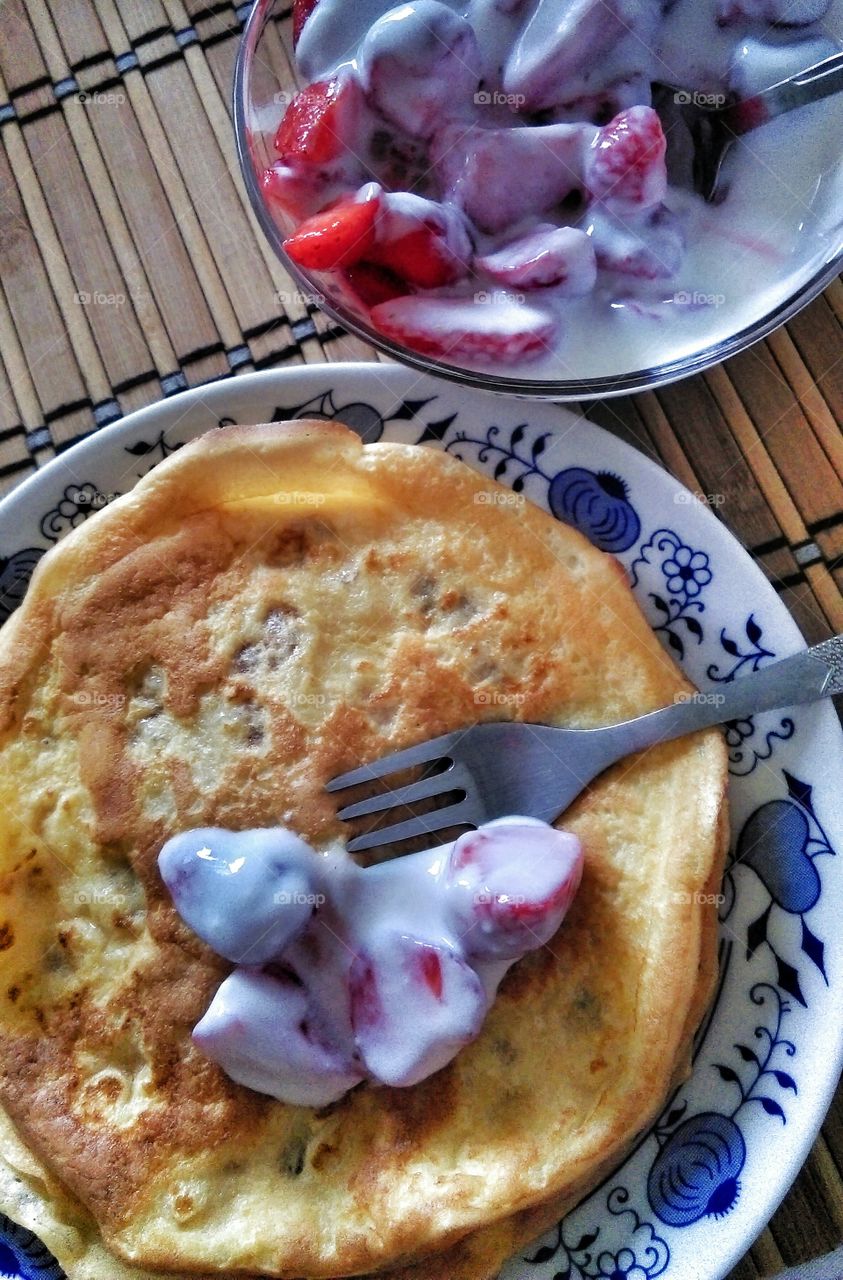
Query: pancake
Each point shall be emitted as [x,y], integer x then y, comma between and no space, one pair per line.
[268,607]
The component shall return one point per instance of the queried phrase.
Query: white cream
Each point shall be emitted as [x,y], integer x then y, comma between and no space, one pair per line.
[386,973]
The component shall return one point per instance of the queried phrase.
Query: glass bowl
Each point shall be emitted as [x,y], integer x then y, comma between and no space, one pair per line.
[728,319]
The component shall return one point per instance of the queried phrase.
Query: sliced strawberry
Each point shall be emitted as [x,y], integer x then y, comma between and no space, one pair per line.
[627,160]
[421,258]
[421,80]
[498,329]
[512,882]
[648,248]
[414,1005]
[500,176]
[296,192]
[421,242]
[302,9]
[337,237]
[560,256]
[320,122]
[372,284]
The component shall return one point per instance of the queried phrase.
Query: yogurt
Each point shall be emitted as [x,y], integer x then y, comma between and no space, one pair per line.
[347,974]
[501,115]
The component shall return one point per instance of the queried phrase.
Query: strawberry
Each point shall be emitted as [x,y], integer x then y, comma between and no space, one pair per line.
[371,284]
[548,255]
[302,9]
[423,243]
[498,329]
[421,258]
[414,1005]
[294,191]
[500,176]
[320,122]
[513,882]
[420,81]
[649,249]
[338,237]
[246,895]
[268,1033]
[626,161]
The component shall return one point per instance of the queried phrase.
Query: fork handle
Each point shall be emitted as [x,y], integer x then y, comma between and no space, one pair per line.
[815,673]
[810,85]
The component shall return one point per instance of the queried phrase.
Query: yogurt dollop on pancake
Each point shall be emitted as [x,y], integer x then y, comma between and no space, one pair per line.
[385,972]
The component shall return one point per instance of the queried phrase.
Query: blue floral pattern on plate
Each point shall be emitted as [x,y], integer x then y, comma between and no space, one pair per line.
[757,1077]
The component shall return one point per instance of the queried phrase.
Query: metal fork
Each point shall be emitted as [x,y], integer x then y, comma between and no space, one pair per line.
[717,125]
[536,770]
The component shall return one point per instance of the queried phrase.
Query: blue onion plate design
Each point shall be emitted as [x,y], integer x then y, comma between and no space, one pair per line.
[697,1188]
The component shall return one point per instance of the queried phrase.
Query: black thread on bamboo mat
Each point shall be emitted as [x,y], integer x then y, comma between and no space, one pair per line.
[331,335]
[265,327]
[22,464]
[71,406]
[90,60]
[123,62]
[136,380]
[39,113]
[202,353]
[286,353]
[825,523]
[77,439]
[31,86]
[789,580]
[149,37]
[9,433]
[767,548]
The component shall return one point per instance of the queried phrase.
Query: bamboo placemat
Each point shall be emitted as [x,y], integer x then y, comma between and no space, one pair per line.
[131,268]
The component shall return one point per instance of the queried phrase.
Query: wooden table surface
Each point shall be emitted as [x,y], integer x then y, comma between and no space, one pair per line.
[131,268]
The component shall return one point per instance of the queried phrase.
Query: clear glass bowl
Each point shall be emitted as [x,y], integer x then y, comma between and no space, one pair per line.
[261,92]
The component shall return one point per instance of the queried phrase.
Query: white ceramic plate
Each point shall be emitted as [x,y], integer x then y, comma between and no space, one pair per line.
[700,1185]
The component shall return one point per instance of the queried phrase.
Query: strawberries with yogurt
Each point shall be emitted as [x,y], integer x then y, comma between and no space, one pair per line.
[501,133]
[347,974]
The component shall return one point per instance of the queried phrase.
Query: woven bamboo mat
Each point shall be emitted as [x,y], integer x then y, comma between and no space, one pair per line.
[131,268]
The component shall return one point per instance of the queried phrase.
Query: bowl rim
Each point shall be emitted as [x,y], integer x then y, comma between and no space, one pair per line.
[556,389]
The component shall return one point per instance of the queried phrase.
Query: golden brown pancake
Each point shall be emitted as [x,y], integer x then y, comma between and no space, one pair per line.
[267,608]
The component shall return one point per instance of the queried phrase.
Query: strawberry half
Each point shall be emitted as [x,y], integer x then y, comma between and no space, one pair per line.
[296,192]
[319,122]
[420,257]
[500,329]
[337,237]
[414,1005]
[302,9]
[546,256]
[512,883]
[627,160]
[372,284]
[423,243]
